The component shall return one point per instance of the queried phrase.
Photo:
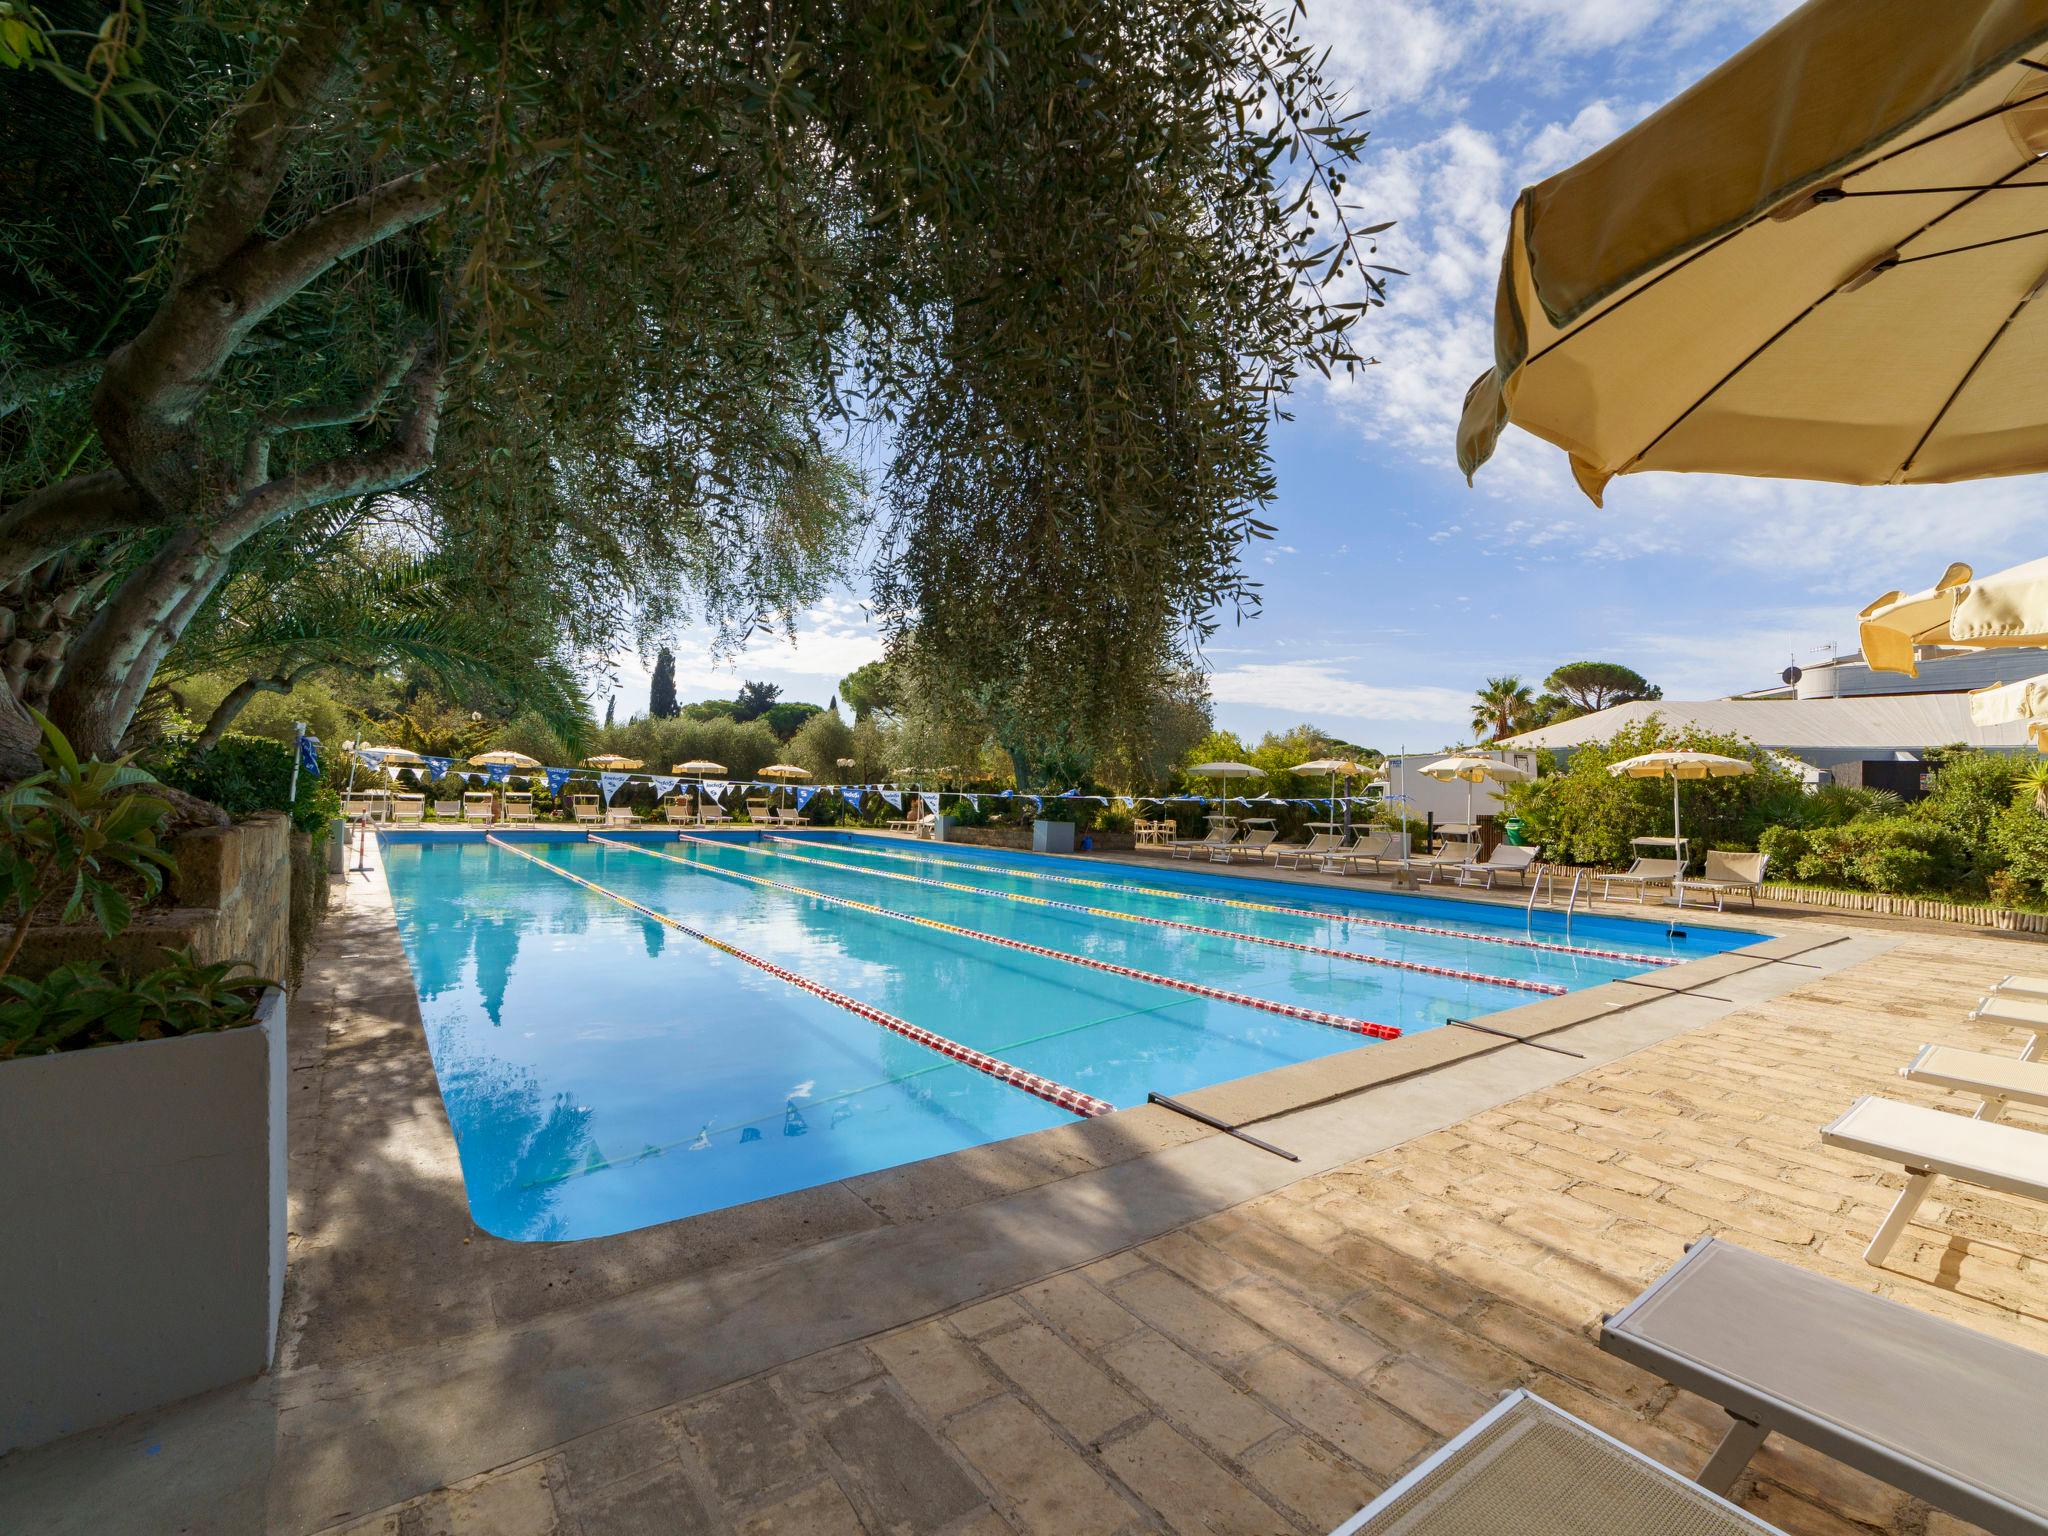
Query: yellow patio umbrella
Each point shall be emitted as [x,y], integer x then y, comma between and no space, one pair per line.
[1337,768]
[785,771]
[1680,765]
[508,758]
[614,761]
[2008,608]
[1819,262]
[701,766]
[2021,703]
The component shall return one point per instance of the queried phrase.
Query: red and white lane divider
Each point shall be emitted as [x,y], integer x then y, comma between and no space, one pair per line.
[1631,956]
[782,847]
[1071,1099]
[1263,1004]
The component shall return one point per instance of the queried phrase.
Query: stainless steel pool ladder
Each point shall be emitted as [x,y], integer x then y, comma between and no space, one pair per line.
[1544,886]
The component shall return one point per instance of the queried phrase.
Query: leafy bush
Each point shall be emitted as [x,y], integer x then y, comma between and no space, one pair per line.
[1785,846]
[77,837]
[79,1006]
[241,774]
[1897,870]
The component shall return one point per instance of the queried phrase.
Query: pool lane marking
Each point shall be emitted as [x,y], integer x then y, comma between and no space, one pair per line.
[1072,1099]
[1217,994]
[1260,906]
[1547,988]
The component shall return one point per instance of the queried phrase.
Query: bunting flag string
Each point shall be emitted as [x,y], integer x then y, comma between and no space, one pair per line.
[610,784]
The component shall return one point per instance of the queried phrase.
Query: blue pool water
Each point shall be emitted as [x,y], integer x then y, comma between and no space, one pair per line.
[603,1071]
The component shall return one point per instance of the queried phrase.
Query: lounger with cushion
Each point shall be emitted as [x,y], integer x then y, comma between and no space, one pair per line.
[1946,1413]
[1641,877]
[1727,874]
[1997,1080]
[1527,1466]
[1506,859]
[1932,1143]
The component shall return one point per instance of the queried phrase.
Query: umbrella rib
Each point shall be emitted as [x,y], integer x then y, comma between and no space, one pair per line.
[1968,374]
[1975,245]
[1969,122]
[1773,339]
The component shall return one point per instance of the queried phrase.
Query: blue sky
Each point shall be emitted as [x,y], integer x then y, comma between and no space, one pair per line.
[1391,589]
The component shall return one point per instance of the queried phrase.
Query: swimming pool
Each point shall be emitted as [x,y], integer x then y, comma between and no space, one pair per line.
[631,1028]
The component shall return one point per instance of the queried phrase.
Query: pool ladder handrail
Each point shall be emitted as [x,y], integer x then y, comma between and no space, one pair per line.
[1545,881]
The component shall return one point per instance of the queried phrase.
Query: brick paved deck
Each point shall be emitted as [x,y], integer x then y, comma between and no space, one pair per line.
[1270,1368]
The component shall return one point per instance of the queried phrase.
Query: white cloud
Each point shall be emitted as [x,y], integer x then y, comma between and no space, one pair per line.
[1319,691]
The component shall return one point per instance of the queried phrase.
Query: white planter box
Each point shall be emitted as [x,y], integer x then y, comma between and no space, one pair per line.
[142,1224]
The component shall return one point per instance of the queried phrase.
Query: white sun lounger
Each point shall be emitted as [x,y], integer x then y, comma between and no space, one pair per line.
[2015,1013]
[451,809]
[519,807]
[1943,1412]
[409,808]
[1319,846]
[1728,874]
[1998,1080]
[1374,848]
[1931,1143]
[1529,1467]
[479,805]
[1506,859]
[1642,876]
[1252,845]
[1222,835]
[584,808]
[2035,987]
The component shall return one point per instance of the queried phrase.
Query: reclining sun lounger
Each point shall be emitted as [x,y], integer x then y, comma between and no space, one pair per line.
[518,807]
[1319,846]
[1998,1080]
[1930,1143]
[1947,1414]
[585,808]
[2016,1013]
[1506,859]
[2035,987]
[1374,848]
[1252,845]
[479,805]
[1529,1467]
[1728,874]
[1641,877]
[408,808]
[1221,835]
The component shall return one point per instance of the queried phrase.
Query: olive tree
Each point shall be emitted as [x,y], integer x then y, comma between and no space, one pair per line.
[608,289]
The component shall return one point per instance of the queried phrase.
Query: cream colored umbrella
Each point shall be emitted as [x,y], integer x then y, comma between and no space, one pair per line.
[1225,770]
[2021,703]
[509,758]
[1680,765]
[2005,609]
[1820,262]
[401,755]
[703,767]
[1473,770]
[614,761]
[1337,768]
[786,771]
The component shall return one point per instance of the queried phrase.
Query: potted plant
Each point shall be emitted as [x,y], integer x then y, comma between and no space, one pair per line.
[142,1127]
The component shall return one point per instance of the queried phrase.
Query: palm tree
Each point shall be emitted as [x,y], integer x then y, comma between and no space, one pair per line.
[1503,707]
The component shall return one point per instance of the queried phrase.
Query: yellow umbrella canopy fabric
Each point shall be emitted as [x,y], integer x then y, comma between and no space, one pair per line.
[698,765]
[785,771]
[1473,770]
[612,760]
[2008,608]
[1818,263]
[509,758]
[1681,765]
[2021,703]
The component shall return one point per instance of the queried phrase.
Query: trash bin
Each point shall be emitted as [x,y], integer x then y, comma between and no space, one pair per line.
[1514,827]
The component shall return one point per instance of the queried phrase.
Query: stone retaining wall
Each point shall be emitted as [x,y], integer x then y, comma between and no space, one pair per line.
[230,900]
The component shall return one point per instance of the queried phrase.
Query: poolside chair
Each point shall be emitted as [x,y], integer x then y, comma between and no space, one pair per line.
[1506,859]
[1727,874]
[1528,1466]
[448,810]
[1252,845]
[786,816]
[757,810]
[1931,1143]
[2017,986]
[1641,877]
[585,808]
[1940,1411]
[518,807]
[409,809]
[1151,834]
[2015,1012]
[620,816]
[901,824]
[1318,847]
[1220,835]
[675,808]
[479,805]
[1374,848]
[711,814]
[1997,1080]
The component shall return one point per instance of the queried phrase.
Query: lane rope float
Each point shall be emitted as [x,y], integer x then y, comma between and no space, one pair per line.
[781,850]
[1217,994]
[1071,1099]
[1264,906]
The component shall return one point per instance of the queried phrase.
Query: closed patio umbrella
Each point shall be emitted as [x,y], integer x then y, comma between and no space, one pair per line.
[2004,609]
[1820,262]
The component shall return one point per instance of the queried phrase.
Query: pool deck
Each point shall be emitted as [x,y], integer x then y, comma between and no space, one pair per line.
[1126,1324]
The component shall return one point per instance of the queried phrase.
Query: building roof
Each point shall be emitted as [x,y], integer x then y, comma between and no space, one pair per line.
[1942,670]
[1878,723]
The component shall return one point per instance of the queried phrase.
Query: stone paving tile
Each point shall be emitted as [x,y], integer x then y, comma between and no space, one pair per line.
[1271,1367]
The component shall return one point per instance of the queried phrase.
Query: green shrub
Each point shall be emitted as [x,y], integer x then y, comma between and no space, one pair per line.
[242,774]
[1785,846]
[1897,870]
[79,1006]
